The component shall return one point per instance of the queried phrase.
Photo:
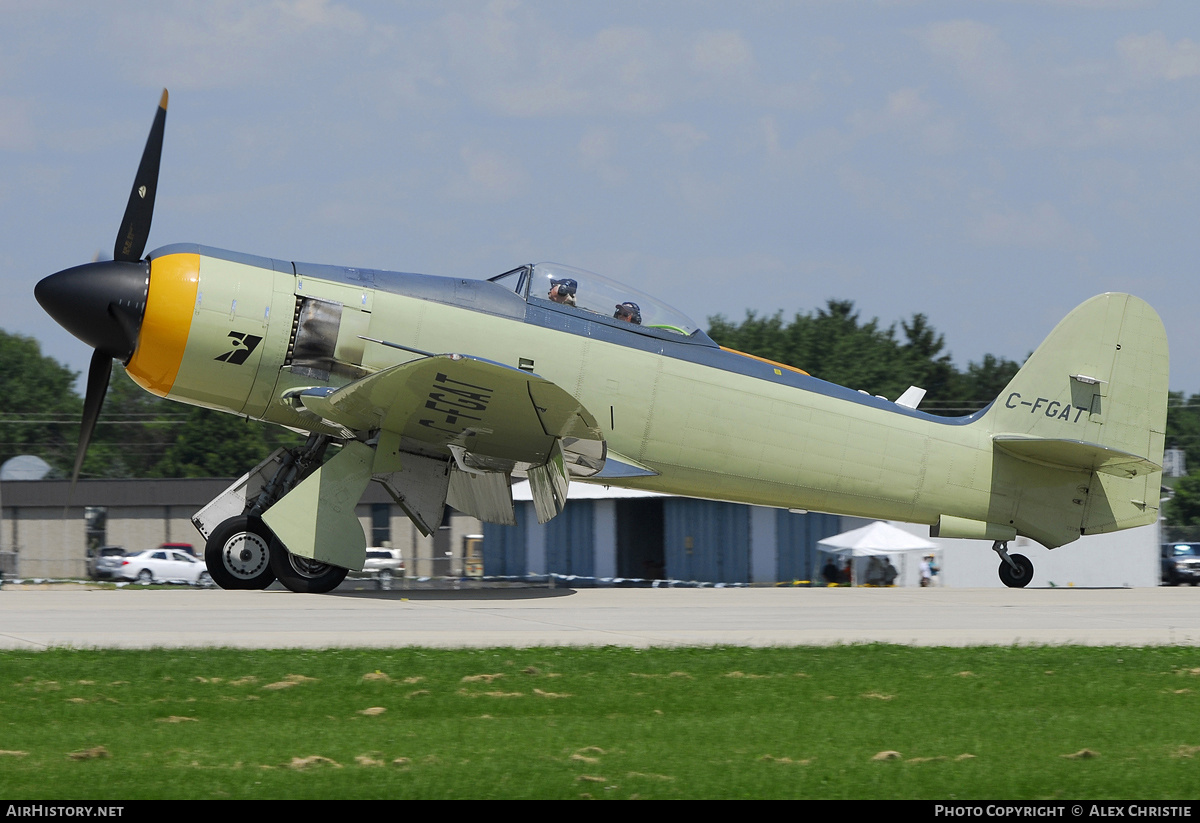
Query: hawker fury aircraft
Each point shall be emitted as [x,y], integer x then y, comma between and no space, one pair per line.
[445,389]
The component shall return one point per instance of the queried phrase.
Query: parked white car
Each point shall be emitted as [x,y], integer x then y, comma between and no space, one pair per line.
[164,566]
[383,566]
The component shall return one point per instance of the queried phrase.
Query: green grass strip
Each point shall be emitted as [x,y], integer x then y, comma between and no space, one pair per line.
[861,721]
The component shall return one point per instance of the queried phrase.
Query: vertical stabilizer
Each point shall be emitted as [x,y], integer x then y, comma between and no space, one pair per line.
[1091,401]
[1100,377]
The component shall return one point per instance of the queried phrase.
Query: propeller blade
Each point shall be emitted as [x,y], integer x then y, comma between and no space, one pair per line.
[99,372]
[135,226]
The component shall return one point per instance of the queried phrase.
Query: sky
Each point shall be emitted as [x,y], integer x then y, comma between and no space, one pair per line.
[989,164]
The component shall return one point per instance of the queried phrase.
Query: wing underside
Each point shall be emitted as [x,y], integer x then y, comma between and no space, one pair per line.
[456,429]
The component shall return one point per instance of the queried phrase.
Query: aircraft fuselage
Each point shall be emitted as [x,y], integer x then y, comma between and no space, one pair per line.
[709,422]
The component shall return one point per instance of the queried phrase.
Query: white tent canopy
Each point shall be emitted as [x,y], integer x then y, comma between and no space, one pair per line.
[875,539]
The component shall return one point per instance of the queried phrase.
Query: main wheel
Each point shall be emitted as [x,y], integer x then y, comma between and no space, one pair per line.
[238,554]
[1016,578]
[300,574]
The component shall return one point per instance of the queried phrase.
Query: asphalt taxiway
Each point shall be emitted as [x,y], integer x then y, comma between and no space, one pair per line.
[36,618]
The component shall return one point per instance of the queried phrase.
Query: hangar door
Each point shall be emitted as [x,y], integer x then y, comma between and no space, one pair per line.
[706,541]
[570,541]
[796,538]
[504,550]
[640,539]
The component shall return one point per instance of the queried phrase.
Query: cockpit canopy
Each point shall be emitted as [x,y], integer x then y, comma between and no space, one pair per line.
[585,290]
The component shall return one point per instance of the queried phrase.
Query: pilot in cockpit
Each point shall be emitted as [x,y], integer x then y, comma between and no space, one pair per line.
[563,291]
[629,312]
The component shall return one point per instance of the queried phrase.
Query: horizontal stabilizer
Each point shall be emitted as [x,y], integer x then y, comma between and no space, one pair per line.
[1075,455]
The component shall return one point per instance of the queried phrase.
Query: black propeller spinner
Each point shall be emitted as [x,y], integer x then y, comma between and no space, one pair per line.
[103,303]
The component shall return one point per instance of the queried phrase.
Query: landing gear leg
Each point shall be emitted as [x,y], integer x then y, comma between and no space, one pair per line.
[238,548]
[1016,570]
[297,464]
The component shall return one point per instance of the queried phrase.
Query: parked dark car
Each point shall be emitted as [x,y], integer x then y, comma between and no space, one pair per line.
[104,562]
[1180,563]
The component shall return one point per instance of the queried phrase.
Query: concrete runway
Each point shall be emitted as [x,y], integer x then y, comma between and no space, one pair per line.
[32,618]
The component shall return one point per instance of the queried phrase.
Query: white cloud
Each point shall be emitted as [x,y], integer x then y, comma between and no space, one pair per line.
[1042,226]
[1153,57]
[596,149]
[224,43]
[910,113]
[512,61]
[721,53]
[977,52]
[16,125]
[486,176]
[684,137]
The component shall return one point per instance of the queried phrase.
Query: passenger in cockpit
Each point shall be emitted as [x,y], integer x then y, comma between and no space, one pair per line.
[629,312]
[563,291]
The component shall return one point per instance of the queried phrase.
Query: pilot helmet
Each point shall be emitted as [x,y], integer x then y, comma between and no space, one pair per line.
[566,286]
[629,310]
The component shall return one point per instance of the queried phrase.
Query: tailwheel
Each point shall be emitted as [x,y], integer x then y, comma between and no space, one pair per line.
[238,554]
[301,574]
[1016,570]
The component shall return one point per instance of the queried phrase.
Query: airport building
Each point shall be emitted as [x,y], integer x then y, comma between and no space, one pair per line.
[604,536]
[603,533]
[46,531]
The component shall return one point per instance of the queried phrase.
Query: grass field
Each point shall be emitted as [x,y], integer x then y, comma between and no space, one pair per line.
[867,721]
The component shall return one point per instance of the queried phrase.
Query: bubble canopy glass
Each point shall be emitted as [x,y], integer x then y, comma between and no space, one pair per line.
[596,294]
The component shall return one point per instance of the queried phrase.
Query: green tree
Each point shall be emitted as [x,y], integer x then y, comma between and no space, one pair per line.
[1183,425]
[133,432]
[834,344]
[924,362]
[213,444]
[39,409]
[1183,509]
[831,344]
[985,380]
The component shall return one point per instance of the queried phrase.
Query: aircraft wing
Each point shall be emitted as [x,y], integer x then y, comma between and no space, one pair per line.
[490,417]
[487,409]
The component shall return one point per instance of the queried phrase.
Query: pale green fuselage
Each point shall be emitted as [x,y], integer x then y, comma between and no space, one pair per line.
[706,431]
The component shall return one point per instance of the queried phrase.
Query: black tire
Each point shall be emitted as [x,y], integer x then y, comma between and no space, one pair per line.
[145,576]
[1016,578]
[299,574]
[238,554]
